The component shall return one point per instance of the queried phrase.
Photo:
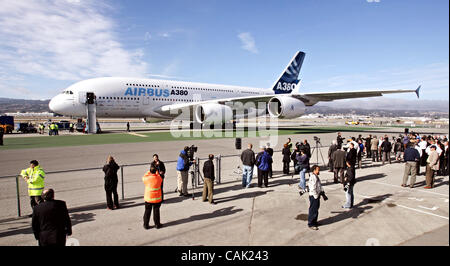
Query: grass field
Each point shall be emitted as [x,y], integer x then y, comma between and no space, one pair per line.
[133,137]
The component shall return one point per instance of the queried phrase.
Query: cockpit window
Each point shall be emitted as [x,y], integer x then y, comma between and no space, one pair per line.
[67,92]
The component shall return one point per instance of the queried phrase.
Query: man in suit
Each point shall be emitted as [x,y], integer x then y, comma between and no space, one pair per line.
[331,150]
[432,167]
[338,159]
[50,221]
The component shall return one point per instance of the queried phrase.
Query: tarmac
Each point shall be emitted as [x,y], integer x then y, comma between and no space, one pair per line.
[384,213]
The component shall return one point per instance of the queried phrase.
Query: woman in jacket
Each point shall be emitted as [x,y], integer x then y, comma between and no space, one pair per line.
[286,158]
[111,180]
[303,162]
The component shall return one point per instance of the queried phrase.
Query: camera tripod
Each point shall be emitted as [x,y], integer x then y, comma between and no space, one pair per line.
[317,149]
[195,174]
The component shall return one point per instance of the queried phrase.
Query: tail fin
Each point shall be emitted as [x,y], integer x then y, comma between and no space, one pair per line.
[289,78]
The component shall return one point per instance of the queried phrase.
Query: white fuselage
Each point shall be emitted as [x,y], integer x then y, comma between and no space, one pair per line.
[141,98]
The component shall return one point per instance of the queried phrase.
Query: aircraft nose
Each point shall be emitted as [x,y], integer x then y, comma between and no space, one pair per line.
[56,105]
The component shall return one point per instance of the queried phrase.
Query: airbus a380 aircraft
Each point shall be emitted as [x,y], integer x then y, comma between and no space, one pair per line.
[208,103]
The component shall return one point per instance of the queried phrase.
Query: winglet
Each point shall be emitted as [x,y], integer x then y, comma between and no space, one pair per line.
[417,91]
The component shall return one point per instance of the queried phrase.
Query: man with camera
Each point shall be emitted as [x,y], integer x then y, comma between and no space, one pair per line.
[315,191]
[185,160]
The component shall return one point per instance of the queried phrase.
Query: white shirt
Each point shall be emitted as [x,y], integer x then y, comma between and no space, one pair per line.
[419,150]
[438,149]
[423,145]
[315,187]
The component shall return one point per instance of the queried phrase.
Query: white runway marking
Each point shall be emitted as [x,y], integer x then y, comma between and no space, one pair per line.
[136,134]
[412,190]
[432,209]
[444,217]
[409,208]
[416,199]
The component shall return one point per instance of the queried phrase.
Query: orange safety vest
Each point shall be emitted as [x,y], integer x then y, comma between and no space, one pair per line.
[153,193]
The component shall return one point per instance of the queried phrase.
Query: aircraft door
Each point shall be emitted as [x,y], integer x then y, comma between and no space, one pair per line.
[82,97]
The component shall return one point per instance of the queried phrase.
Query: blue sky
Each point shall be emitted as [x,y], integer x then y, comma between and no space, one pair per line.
[46,45]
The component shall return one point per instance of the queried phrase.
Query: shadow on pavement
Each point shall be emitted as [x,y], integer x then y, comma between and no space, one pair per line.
[357,210]
[242,196]
[217,213]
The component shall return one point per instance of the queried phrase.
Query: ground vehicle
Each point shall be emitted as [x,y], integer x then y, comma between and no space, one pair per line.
[7,123]
[80,126]
[352,122]
[26,128]
[63,124]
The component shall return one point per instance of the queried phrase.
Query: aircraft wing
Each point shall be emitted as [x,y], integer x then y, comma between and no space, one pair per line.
[313,98]
[308,98]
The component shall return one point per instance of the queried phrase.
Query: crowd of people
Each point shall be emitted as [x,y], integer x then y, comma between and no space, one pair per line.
[416,151]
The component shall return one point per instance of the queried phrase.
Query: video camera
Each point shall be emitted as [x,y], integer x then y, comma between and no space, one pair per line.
[190,152]
[316,139]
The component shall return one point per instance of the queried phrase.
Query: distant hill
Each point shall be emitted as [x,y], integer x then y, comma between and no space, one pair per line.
[8,105]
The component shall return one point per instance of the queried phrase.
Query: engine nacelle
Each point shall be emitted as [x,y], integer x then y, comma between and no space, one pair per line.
[285,107]
[213,113]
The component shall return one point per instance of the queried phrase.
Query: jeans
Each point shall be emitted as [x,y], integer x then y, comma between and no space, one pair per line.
[247,174]
[313,214]
[350,197]
[302,183]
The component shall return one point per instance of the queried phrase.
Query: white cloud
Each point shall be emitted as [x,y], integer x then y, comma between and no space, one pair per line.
[248,42]
[62,40]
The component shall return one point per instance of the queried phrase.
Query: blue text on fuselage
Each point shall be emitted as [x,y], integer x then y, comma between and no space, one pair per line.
[147,92]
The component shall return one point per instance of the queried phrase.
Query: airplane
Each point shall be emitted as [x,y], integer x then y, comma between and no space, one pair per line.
[150,99]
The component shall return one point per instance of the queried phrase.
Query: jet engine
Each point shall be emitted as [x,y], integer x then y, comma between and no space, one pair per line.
[213,113]
[285,107]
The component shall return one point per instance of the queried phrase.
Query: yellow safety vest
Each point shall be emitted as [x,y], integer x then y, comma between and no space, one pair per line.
[35,181]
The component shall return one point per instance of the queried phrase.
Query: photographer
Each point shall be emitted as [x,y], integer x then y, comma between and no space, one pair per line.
[315,191]
[303,166]
[183,165]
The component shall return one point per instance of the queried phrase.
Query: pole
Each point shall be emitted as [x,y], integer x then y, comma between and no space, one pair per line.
[123,189]
[219,168]
[18,196]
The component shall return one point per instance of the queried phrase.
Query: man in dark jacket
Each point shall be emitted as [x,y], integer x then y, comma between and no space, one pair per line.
[307,148]
[161,169]
[339,140]
[270,152]
[111,181]
[286,152]
[248,162]
[412,158]
[208,174]
[263,161]
[386,148]
[51,222]
[339,165]
[294,159]
[350,176]
[367,145]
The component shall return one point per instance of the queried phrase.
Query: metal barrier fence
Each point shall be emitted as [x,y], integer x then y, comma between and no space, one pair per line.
[83,187]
